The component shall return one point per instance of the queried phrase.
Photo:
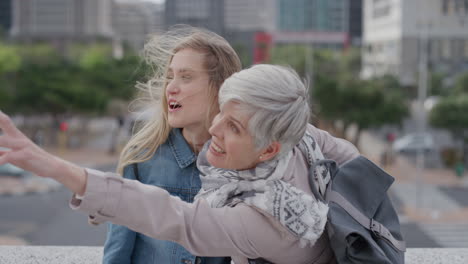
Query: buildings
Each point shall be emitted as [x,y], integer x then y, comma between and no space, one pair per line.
[135,21]
[61,19]
[244,21]
[208,14]
[355,22]
[392,33]
[5,16]
[323,23]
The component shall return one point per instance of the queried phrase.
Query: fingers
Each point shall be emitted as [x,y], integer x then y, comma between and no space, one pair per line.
[3,157]
[7,125]
[11,143]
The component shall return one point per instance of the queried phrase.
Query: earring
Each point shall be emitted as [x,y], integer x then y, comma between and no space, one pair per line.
[261,157]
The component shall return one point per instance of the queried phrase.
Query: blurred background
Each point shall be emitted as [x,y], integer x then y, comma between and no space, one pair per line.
[391,76]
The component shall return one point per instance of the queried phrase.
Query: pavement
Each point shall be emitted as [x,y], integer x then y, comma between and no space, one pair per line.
[432,203]
[15,186]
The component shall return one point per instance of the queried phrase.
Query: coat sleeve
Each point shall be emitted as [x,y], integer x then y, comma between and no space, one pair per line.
[120,240]
[204,231]
[332,147]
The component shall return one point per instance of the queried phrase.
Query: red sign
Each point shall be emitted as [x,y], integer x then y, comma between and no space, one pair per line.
[262,47]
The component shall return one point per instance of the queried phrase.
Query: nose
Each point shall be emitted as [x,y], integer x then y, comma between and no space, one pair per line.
[215,128]
[172,88]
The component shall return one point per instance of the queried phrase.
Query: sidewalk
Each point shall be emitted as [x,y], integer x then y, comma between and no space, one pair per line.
[421,193]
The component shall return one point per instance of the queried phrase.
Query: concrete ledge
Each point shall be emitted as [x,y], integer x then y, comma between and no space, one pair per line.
[93,255]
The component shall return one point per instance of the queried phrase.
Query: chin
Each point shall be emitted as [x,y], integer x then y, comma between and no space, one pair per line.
[175,123]
[212,160]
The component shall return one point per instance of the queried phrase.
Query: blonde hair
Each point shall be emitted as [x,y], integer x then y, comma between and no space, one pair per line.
[221,61]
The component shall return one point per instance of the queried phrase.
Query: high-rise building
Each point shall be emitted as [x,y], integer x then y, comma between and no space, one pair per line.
[62,19]
[5,16]
[207,14]
[322,23]
[134,21]
[313,15]
[249,15]
[355,22]
[393,30]
[244,20]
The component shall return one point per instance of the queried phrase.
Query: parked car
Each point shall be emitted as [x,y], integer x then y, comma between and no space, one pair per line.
[412,143]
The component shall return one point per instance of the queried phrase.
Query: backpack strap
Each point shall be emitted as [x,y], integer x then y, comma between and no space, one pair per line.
[332,196]
[370,224]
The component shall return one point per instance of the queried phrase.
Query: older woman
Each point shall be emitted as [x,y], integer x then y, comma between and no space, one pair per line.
[254,202]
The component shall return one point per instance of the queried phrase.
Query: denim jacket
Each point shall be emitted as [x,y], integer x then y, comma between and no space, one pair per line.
[173,168]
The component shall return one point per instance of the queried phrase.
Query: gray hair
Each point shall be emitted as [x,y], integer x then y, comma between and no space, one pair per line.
[277,100]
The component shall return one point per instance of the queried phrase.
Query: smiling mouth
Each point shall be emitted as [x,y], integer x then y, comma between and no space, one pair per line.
[217,149]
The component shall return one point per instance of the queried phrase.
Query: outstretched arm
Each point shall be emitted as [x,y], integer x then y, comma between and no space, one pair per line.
[19,150]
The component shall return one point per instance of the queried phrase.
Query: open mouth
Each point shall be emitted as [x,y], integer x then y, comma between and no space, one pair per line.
[217,149]
[174,105]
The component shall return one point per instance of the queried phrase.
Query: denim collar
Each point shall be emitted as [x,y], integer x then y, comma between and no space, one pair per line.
[182,152]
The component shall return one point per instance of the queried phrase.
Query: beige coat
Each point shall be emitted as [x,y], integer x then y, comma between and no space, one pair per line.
[241,231]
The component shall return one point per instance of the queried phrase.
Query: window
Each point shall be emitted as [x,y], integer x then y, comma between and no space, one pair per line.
[446,49]
[445,6]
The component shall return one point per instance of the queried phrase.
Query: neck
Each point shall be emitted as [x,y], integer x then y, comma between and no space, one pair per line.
[196,137]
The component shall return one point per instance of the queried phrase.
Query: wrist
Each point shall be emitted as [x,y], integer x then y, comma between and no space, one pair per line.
[71,176]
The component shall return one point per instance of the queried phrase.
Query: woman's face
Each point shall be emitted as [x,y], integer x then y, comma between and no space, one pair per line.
[232,146]
[187,90]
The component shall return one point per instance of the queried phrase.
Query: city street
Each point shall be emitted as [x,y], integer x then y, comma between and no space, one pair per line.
[46,219]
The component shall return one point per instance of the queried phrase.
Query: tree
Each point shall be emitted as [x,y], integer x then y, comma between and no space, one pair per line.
[338,94]
[451,113]
[244,54]
[10,62]
[436,83]
[342,96]
[292,55]
[461,84]
[363,103]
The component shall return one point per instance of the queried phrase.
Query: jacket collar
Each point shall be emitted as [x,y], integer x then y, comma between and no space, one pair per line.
[179,146]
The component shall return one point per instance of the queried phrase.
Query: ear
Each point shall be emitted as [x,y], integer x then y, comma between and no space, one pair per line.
[270,152]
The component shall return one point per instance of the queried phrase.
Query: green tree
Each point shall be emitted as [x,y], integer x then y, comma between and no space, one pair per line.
[244,54]
[436,84]
[10,62]
[292,55]
[364,103]
[338,94]
[461,84]
[451,113]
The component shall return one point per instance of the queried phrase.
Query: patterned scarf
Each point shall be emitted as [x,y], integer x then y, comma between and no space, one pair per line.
[264,188]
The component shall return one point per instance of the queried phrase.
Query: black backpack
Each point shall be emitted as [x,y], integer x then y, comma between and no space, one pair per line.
[362,225]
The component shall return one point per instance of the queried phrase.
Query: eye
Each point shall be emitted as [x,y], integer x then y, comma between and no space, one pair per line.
[169,77]
[186,77]
[233,128]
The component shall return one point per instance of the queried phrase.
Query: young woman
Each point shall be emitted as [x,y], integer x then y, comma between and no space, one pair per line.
[190,65]
[29,156]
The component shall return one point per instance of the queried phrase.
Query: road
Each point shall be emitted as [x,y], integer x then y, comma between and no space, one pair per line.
[46,219]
